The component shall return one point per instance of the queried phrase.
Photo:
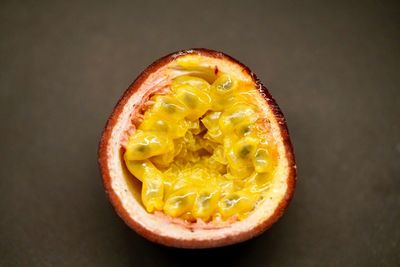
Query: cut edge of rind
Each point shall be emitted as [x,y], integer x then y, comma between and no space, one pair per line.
[194,243]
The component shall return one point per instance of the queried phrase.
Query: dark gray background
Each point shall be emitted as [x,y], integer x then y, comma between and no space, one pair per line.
[332,66]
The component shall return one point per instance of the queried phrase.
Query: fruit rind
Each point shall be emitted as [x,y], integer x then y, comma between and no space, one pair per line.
[229,238]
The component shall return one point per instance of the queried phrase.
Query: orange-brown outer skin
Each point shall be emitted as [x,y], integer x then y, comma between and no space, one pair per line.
[167,241]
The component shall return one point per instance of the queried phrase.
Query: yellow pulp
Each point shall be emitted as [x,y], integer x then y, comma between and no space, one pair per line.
[203,150]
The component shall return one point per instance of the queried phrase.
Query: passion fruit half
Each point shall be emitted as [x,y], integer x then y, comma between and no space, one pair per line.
[196,153]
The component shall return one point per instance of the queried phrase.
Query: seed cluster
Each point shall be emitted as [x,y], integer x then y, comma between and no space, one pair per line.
[203,151]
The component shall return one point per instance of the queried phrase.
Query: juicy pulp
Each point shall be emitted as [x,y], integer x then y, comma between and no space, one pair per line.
[203,151]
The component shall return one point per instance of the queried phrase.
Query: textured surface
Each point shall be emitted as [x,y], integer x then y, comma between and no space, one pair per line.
[334,69]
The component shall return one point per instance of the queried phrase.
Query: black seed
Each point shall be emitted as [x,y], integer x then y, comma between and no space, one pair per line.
[245,150]
[170,108]
[190,101]
[141,148]
[245,129]
[181,201]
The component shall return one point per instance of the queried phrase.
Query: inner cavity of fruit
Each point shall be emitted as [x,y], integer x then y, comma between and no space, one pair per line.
[203,150]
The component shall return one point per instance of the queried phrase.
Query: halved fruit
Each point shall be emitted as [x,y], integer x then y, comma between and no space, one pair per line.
[196,153]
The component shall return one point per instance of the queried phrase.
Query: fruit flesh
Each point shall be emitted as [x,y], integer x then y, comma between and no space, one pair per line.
[203,150]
